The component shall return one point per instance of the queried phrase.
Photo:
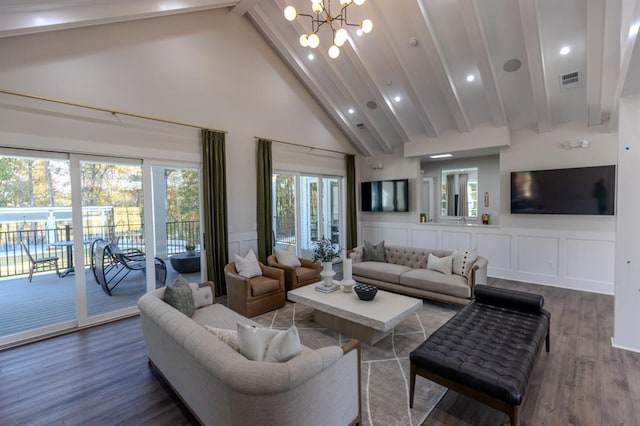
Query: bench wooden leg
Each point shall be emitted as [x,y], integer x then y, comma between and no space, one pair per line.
[412,384]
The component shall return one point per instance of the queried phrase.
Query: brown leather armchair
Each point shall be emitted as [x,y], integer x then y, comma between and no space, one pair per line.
[297,276]
[254,296]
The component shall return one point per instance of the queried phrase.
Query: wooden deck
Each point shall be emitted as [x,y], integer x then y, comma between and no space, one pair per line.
[48,300]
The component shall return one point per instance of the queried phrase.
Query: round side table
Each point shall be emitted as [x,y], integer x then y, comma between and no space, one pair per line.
[184,263]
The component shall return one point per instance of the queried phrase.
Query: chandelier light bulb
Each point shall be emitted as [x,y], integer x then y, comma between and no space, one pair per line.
[334,51]
[345,2]
[317,8]
[367,26]
[304,40]
[314,40]
[358,2]
[340,37]
[290,13]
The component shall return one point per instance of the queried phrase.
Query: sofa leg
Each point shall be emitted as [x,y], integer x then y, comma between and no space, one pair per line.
[547,342]
[412,384]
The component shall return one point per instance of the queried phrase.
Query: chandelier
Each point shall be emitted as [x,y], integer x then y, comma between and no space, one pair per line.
[322,15]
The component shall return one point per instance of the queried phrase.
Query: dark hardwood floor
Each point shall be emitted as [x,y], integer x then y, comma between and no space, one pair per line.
[100,376]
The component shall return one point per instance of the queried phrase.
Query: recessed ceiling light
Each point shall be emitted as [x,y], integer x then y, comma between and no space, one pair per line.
[441,156]
[512,65]
[633,30]
[397,98]
[351,111]
[310,56]
[471,77]
[565,50]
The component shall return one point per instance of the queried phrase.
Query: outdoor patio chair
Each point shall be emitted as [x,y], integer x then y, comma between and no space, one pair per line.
[110,264]
[41,261]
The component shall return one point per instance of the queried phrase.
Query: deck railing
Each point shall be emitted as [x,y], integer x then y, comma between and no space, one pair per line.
[14,260]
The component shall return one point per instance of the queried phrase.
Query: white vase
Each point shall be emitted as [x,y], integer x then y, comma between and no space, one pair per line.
[347,282]
[327,274]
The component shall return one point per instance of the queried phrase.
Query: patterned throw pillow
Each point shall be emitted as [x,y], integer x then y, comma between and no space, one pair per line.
[230,337]
[180,296]
[440,264]
[373,253]
[463,260]
[248,266]
[264,344]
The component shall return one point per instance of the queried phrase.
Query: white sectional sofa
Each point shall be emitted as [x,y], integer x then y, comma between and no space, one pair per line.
[222,387]
[404,270]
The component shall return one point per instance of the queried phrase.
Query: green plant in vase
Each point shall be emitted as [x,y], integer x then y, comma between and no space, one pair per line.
[325,251]
[190,248]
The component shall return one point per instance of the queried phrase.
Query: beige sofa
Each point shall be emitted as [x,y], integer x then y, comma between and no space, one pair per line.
[405,271]
[221,387]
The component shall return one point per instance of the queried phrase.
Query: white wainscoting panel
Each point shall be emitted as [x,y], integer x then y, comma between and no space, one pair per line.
[241,242]
[570,259]
[590,260]
[496,247]
[538,254]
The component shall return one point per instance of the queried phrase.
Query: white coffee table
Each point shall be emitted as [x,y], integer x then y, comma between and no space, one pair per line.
[345,313]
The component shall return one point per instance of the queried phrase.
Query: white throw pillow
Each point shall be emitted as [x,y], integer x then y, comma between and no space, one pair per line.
[202,296]
[440,264]
[248,266]
[463,260]
[287,257]
[230,337]
[263,344]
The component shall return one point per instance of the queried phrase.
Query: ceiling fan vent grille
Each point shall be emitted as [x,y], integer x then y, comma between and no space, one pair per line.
[570,80]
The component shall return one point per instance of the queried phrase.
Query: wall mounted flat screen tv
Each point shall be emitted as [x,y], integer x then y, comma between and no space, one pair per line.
[385,195]
[578,191]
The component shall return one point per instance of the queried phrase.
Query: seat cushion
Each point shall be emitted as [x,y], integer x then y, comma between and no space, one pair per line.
[263,285]
[306,274]
[381,271]
[425,279]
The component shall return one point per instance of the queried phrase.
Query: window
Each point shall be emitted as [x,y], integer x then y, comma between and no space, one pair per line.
[459,192]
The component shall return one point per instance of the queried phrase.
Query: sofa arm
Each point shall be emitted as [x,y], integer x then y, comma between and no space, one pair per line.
[356,254]
[513,299]
[274,273]
[289,271]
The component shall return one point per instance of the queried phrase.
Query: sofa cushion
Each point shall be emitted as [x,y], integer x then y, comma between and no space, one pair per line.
[287,257]
[463,260]
[263,285]
[373,253]
[437,282]
[440,264]
[248,266]
[180,296]
[263,344]
[220,316]
[380,271]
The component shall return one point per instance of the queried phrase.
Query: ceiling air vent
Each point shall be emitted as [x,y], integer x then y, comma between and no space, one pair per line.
[570,80]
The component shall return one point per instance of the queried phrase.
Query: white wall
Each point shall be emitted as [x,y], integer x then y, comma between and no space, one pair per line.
[208,68]
[627,264]
[575,252]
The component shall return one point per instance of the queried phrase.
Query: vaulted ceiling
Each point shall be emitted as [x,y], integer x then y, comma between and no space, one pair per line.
[429,67]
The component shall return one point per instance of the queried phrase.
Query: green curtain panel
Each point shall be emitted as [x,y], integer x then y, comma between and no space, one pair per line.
[264,204]
[214,195]
[352,215]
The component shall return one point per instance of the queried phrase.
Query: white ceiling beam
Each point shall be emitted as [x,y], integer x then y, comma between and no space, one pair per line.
[443,75]
[244,6]
[595,59]
[401,72]
[282,46]
[533,45]
[479,46]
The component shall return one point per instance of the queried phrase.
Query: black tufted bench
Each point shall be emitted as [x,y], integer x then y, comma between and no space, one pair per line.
[487,350]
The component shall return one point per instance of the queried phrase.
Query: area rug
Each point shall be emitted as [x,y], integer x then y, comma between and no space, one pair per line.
[385,366]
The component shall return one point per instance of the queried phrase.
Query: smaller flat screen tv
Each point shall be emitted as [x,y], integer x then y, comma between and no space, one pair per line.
[575,191]
[385,196]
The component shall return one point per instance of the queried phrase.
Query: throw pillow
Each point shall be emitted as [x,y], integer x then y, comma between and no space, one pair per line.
[463,260]
[440,264]
[287,257]
[248,266]
[180,296]
[230,337]
[202,295]
[373,253]
[263,344]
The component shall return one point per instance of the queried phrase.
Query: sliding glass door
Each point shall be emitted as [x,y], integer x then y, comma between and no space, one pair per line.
[306,208]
